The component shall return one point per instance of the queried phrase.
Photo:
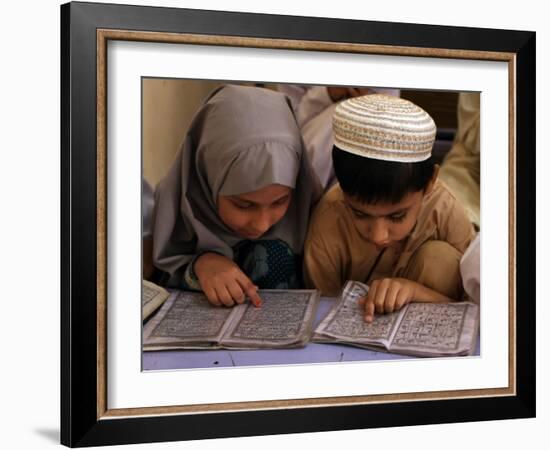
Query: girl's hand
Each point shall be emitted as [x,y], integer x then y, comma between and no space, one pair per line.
[223,282]
[388,295]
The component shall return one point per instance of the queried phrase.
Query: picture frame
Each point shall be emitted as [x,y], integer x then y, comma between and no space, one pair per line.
[86,418]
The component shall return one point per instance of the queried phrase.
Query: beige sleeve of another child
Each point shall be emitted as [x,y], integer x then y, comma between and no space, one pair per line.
[458,230]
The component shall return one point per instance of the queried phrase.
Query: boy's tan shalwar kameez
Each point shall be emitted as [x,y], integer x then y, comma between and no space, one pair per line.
[335,251]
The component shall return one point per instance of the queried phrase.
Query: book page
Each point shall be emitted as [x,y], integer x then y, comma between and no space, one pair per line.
[284,319]
[187,318]
[437,329]
[345,322]
[152,296]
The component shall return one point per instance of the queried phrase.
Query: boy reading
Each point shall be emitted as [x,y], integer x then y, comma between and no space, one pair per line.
[389,222]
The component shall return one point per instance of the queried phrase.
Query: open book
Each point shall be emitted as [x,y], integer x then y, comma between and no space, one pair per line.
[188,321]
[152,296]
[418,329]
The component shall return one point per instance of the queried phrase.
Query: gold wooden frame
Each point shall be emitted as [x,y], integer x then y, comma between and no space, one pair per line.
[104,35]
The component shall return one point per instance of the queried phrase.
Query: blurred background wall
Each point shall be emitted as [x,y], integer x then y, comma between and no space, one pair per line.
[168,107]
[170,104]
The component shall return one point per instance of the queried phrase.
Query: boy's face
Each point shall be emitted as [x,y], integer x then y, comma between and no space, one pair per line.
[250,215]
[386,224]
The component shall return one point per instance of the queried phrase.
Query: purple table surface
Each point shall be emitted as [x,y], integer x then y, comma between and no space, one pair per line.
[311,353]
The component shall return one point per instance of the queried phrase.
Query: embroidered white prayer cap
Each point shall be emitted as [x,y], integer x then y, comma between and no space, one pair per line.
[384,127]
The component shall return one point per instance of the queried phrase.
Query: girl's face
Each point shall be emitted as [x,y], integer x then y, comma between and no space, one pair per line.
[250,215]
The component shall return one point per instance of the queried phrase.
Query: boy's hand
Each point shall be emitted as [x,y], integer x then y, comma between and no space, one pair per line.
[387,295]
[223,282]
[337,93]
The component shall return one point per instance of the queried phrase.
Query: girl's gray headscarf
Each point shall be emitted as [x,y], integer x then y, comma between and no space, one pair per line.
[241,140]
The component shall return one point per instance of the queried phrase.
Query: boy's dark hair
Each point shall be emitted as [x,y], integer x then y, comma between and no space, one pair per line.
[373,181]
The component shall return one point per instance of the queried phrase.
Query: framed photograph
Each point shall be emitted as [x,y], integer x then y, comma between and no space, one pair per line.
[132,79]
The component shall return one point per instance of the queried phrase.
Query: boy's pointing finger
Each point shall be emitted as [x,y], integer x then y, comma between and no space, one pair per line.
[369,311]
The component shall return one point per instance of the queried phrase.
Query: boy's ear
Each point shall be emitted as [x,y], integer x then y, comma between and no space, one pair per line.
[431,184]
